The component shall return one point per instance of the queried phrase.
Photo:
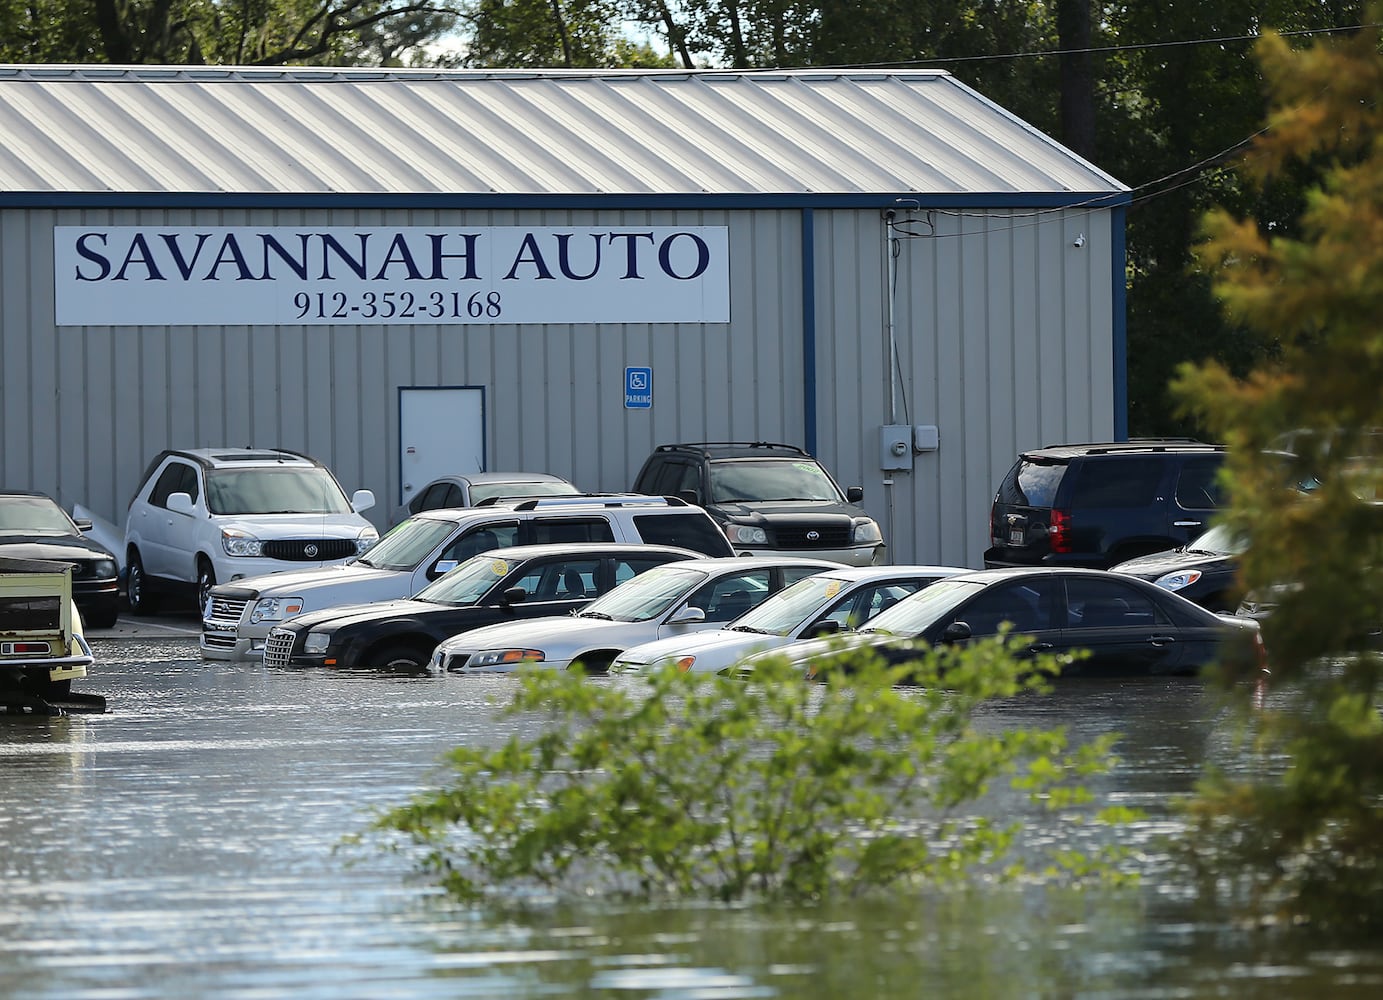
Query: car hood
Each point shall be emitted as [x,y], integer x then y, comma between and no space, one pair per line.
[722,645]
[348,525]
[556,633]
[800,652]
[1159,563]
[354,614]
[58,548]
[771,510]
[324,582]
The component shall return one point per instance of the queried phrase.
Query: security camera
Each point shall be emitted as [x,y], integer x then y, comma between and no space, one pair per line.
[1079,241]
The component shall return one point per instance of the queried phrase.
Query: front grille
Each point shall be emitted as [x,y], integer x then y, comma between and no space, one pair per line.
[226,610]
[278,648]
[795,536]
[309,549]
[218,640]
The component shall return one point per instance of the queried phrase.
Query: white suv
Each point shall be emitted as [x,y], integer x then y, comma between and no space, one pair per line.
[237,617]
[211,514]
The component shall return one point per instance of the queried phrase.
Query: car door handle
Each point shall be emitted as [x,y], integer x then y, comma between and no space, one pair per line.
[1188,524]
[1041,647]
[1162,640]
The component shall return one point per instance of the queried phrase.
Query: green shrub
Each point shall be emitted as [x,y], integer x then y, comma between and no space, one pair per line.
[686,785]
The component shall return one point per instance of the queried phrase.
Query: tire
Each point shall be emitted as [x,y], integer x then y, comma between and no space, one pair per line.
[399,658]
[139,593]
[206,579]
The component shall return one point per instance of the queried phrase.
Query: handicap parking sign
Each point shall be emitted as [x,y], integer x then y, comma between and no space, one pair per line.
[638,388]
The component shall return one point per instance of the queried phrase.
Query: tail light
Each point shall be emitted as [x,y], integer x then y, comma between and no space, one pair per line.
[1059,530]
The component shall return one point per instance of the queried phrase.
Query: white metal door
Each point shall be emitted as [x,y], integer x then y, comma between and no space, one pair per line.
[441,432]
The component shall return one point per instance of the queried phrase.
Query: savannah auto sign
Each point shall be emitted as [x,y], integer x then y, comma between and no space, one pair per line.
[245,275]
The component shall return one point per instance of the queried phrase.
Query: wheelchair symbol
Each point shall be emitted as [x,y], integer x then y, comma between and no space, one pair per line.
[638,380]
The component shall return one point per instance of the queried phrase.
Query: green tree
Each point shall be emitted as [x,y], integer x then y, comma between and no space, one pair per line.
[682,785]
[1305,836]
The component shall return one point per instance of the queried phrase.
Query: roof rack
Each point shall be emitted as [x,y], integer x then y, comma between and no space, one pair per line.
[704,445]
[593,500]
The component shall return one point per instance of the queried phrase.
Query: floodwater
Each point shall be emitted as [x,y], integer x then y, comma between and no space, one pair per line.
[185,844]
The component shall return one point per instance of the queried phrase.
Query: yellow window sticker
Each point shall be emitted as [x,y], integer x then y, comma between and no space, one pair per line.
[499,567]
[833,588]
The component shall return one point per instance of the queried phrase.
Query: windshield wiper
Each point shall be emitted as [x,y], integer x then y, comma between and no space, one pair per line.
[595,614]
[749,628]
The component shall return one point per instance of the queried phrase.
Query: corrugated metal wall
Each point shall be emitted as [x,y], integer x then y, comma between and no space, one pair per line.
[1003,330]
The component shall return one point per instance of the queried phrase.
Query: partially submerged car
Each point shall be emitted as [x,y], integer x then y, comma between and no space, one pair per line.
[42,649]
[33,526]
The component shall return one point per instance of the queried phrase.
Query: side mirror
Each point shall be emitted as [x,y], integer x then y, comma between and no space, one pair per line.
[855,494]
[181,503]
[687,615]
[956,632]
[821,629]
[362,500]
[440,567]
[514,595]
[691,496]
[83,524]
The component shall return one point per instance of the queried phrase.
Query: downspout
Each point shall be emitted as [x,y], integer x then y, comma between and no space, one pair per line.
[809,331]
[890,250]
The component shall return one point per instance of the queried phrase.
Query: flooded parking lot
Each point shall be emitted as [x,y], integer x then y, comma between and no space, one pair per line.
[186,844]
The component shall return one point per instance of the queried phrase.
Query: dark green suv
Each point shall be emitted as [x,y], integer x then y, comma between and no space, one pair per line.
[1099,504]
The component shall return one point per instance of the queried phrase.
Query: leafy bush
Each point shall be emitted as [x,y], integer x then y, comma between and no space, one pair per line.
[688,785]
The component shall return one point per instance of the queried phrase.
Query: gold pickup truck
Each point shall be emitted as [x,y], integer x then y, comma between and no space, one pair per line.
[42,649]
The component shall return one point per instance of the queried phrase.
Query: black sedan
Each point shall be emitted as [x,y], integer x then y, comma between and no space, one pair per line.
[33,526]
[1203,571]
[502,585]
[1130,627]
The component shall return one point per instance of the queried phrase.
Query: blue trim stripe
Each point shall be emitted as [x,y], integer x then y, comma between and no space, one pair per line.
[809,331]
[625,202]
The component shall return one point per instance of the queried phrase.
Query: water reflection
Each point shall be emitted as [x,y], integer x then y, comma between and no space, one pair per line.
[185,844]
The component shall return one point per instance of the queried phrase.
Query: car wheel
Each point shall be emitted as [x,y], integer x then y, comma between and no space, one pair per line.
[206,579]
[138,594]
[400,659]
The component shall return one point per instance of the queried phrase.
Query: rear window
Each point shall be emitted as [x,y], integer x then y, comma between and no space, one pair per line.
[1117,482]
[689,531]
[1031,483]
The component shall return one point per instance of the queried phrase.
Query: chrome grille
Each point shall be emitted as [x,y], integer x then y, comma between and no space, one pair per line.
[278,648]
[225,609]
[218,640]
[309,549]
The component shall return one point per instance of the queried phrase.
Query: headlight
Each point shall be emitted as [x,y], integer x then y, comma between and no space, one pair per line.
[495,657]
[103,567]
[746,534]
[365,539]
[240,543]
[316,642]
[276,609]
[866,532]
[1175,581]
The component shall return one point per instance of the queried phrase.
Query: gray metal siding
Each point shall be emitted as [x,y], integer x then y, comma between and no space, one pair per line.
[1004,337]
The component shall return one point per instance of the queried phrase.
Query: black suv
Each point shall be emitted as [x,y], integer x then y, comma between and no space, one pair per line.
[767,498]
[1099,504]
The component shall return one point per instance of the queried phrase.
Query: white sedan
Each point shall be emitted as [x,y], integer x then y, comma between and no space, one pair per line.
[673,600]
[820,605]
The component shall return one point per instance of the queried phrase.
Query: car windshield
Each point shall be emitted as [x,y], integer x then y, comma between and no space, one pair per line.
[280,490]
[646,596]
[484,491]
[791,606]
[407,544]
[32,516]
[915,613]
[467,583]
[1220,540]
[736,480]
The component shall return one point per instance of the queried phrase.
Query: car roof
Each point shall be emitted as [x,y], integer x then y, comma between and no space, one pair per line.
[731,563]
[25,493]
[218,458]
[500,477]
[544,549]
[864,574]
[1028,572]
[1133,446]
[736,449]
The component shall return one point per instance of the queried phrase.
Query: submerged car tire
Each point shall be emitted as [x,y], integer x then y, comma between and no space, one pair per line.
[138,592]
[399,658]
[206,579]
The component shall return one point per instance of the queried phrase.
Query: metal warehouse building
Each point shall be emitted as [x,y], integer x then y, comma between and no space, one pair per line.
[408,272]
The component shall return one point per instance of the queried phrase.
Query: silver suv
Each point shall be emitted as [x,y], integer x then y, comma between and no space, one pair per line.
[238,616]
[207,515]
